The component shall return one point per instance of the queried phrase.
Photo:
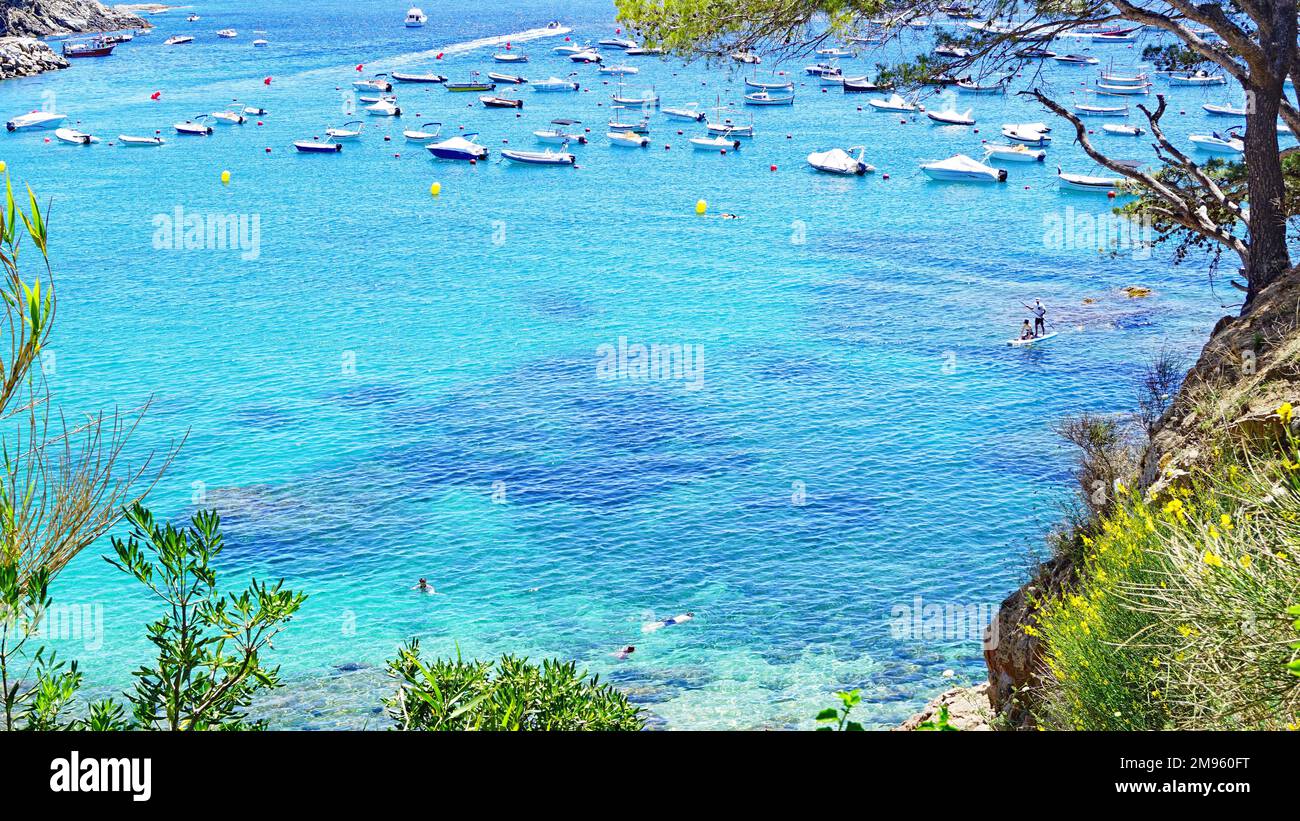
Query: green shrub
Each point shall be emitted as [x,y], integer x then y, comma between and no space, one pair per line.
[1180,618]
[454,694]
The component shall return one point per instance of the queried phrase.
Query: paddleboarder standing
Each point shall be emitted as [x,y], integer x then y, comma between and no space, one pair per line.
[1040,317]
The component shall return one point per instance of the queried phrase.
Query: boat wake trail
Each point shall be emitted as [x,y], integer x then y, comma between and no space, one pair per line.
[483,42]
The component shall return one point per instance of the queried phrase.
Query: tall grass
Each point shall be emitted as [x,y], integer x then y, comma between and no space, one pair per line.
[1180,620]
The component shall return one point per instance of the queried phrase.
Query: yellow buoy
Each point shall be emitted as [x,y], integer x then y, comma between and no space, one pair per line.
[435,189]
[4,166]
[701,207]
[225,178]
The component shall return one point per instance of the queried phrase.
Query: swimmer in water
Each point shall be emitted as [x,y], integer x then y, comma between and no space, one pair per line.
[728,216]
[625,652]
[662,623]
[424,587]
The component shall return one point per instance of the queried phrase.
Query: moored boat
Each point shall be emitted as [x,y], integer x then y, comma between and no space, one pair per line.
[472,85]
[1124,130]
[197,127]
[458,148]
[317,146]
[1027,133]
[554,84]
[387,107]
[628,139]
[689,111]
[350,130]
[767,98]
[894,102]
[98,47]
[1197,78]
[560,133]
[130,141]
[841,161]
[429,77]
[1101,110]
[547,157]
[952,117]
[420,135]
[960,168]
[1085,182]
[1215,143]
[508,79]
[1013,153]
[35,120]
[501,102]
[74,137]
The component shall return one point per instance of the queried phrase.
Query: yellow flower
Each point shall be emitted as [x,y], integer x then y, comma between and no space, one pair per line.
[1173,507]
[1214,532]
[1155,662]
[1244,561]
[1226,521]
[1285,413]
[1212,560]
[1185,630]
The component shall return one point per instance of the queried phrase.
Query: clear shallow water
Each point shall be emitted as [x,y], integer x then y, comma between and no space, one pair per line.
[352,395]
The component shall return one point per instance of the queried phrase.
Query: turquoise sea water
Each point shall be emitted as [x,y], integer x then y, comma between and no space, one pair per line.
[401,386]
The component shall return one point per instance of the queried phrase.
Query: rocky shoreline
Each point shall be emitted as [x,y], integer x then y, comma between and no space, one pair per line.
[22,21]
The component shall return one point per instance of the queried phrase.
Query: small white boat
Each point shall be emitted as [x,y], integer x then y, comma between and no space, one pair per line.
[1215,143]
[960,168]
[459,148]
[759,85]
[35,120]
[841,161]
[690,111]
[561,133]
[229,117]
[547,157]
[616,43]
[1124,130]
[894,102]
[261,43]
[731,129]
[628,139]
[508,79]
[1224,110]
[952,117]
[422,77]
[619,71]
[1114,88]
[255,111]
[74,137]
[420,135]
[643,51]
[384,108]
[1124,79]
[747,57]
[974,88]
[834,52]
[554,84]
[821,68]
[348,131]
[1028,133]
[131,142]
[766,98]
[1076,59]
[719,143]
[317,146]
[588,56]
[376,83]
[509,57]
[193,18]
[831,78]
[178,40]
[415,18]
[1014,153]
[227,34]
[951,51]
[1033,340]
[570,48]
[197,127]
[1085,182]
[647,100]
[1197,78]
[1101,110]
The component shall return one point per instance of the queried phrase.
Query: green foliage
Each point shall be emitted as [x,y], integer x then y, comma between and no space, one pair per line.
[1178,620]
[837,718]
[209,663]
[940,724]
[453,694]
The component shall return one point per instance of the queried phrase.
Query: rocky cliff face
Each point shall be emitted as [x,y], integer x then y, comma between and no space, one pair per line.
[41,18]
[24,56]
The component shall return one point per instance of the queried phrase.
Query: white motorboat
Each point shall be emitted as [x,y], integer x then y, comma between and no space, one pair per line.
[371,99]
[132,142]
[1215,143]
[421,135]
[952,117]
[1224,110]
[74,137]
[420,77]
[1084,182]
[731,129]
[974,88]
[547,157]
[951,51]
[570,48]
[255,111]
[35,121]
[227,34]
[821,68]
[1101,110]
[317,146]
[834,52]
[459,148]
[384,108]
[841,161]
[178,40]
[960,168]
[1124,130]
[229,117]
[766,98]
[261,43]
[1028,133]
[1017,152]
[348,131]
[831,78]
[719,143]
[894,102]
[1114,88]
[415,18]
[508,79]
[628,139]
[588,56]
[197,127]
[560,133]
[376,83]
[1197,78]
[647,100]
[1076,59]
[644,51]
[509,57]
[1124,79]
[616,43]
[690,111]
[554,84]
[641,126]
[747,57]
[619,71]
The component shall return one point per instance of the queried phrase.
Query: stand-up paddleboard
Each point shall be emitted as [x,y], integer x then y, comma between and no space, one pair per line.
[1025,343]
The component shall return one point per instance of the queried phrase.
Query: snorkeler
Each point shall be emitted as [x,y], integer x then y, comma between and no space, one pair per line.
[625,652]
[424,587]
[657,625]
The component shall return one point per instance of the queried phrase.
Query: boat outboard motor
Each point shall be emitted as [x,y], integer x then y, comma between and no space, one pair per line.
[1002,175]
